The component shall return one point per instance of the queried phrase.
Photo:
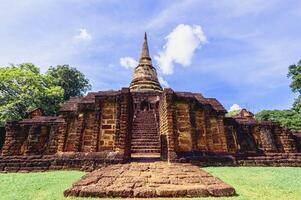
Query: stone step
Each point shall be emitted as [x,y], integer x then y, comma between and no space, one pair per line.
[139,143]
[293,163]
[145,147]
[146,151]
[145,157]
[147,139]
[144,128]
[140,132]
[144,124]
[271,157]
[144,138]
[144,118]
[145,135]
[147,126]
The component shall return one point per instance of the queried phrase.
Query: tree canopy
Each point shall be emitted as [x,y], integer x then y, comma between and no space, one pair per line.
[294,72]
[232,113]
[287,118]
[22,88]
[70,79]
[290,118]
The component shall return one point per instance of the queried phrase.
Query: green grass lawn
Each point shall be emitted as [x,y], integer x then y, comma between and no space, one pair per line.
[250,183]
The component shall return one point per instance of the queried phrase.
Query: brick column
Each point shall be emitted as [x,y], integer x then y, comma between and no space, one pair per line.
[123,140]
[193,131]
[204,117]
[97,122]
[10,146]
[285,140]
[33,145]
[268,142]
[208,133]
[79,132]
[222,133]
[52,144]
[61,134]
[167,124]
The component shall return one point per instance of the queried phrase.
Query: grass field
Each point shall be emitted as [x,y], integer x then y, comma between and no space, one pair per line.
[250,182]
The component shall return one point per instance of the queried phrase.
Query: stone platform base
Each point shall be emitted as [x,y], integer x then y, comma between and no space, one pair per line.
[156,179]
[78,161]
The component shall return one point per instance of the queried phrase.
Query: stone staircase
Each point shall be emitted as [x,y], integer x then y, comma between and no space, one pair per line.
[145,137]
[271,159]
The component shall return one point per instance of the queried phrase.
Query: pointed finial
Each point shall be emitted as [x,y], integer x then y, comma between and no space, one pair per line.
[145,75]
[145,57]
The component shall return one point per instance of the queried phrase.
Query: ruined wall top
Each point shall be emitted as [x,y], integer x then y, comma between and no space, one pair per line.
[145,75]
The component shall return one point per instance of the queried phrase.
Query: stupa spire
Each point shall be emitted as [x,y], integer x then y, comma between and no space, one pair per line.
[145,57]
[145,75]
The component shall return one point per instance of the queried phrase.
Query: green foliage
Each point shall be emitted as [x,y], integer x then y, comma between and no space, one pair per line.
[294,72]
[23,88]
[287,118]
[297,104]
[232,113]
[70,79]
[290,118]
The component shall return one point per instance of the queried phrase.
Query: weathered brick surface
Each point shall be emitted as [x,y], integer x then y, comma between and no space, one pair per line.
[168,123]
[270,159]
[71,133]
[184,134]
[81,161]
[146,180]
[108,125]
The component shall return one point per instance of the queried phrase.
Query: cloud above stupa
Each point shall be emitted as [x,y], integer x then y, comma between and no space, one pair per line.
[83,35]
[180,47]
[128,62]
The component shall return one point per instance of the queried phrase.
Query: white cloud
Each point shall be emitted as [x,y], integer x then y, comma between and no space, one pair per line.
[163,82]
[234,107]
[128,62]
[170,13]
[181,44]
[83,35]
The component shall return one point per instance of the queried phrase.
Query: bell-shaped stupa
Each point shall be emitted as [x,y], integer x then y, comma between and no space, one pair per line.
[145,75]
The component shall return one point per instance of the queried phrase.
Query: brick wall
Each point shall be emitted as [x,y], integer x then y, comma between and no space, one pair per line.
[71,133]
[231,137]
[183,135]
[108,126]
[167,123]
[13,139]
[201,130]
[88,131]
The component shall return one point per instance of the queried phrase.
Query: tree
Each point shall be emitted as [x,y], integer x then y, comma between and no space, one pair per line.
[294,72]
[70,79]
[22,88]
[232,113]
[290,118]
[287,118]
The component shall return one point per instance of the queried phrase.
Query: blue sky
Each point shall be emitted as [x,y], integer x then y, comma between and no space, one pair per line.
[242,58]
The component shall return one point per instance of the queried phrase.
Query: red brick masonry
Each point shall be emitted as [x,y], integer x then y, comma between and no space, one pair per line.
[144,180]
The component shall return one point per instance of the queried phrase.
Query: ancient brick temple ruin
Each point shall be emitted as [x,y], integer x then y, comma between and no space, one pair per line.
[144,121]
